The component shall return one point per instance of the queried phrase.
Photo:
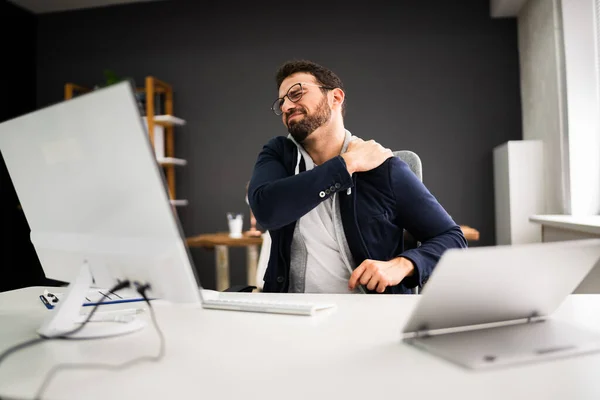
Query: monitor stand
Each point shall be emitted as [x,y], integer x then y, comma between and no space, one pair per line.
[66,315]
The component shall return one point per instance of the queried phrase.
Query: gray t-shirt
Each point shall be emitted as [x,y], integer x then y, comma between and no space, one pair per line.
[321,261]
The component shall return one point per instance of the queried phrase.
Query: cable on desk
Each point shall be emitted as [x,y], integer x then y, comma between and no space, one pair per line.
[111,367]
[65,335]
[31,342]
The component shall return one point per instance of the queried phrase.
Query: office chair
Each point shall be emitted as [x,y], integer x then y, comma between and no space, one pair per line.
[413,160]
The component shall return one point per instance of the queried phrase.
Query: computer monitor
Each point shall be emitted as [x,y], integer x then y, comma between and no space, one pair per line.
[97,203]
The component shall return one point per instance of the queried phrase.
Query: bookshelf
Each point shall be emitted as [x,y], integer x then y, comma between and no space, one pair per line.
[160,122]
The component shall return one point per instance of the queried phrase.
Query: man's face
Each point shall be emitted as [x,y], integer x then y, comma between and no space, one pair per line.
[308,113]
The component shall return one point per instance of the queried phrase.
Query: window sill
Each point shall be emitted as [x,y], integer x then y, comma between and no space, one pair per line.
[585,223]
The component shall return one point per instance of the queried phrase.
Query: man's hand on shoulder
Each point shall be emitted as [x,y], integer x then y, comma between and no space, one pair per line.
[377,275]
[365,156]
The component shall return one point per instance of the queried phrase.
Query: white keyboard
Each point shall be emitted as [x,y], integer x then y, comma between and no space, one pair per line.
[266,306]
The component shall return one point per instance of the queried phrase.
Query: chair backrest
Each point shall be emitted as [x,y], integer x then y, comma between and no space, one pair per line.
[413,160]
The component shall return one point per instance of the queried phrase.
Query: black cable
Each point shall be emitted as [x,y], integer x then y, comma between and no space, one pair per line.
[20,346]
[64,335]
[111,367]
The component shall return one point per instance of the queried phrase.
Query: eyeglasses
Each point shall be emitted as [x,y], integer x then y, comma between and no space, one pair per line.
[294,93]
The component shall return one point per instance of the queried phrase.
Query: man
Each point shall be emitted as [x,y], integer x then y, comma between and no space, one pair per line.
[336,206]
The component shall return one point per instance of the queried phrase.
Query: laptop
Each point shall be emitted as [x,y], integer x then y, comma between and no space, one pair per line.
[486,307]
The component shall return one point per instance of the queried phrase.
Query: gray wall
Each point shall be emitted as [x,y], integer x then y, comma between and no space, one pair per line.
[437,77]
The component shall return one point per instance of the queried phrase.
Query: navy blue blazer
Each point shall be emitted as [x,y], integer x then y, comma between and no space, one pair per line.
[380,205]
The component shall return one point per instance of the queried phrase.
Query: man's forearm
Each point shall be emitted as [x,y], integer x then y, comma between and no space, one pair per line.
[278,201]
[426,256]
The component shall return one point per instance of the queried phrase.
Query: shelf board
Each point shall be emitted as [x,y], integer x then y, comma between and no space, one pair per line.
[171,161]
[179,202]
[168,120]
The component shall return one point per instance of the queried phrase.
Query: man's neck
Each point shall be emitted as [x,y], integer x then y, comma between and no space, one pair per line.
[325,143]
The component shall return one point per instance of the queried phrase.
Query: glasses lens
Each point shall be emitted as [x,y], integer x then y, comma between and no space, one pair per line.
[295,93]
[276,107]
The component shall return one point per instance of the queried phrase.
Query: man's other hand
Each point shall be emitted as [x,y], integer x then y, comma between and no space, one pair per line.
[377,275]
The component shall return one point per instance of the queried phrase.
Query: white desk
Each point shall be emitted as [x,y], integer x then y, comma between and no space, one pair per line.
[353,352]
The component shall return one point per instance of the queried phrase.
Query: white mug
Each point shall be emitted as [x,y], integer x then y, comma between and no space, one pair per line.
[236,222]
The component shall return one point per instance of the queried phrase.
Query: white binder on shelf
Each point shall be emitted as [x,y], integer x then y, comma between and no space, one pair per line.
[159,139]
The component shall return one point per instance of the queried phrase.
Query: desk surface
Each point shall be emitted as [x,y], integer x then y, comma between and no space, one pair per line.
[352,352]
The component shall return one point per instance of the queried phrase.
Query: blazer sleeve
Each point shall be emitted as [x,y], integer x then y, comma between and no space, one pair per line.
[278,198]
[419,212]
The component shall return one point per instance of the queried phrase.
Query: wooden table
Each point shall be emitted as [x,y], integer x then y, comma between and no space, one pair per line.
[221,243]
[471,234]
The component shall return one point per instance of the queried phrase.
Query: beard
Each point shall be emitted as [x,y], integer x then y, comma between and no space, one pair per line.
[302,128]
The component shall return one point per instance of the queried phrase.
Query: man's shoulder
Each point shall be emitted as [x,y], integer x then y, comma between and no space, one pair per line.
[387,176]
[281,148]
[397,165]
[392,165]
[280,142]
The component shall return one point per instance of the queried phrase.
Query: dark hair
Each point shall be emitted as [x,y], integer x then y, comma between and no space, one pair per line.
[323,75]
